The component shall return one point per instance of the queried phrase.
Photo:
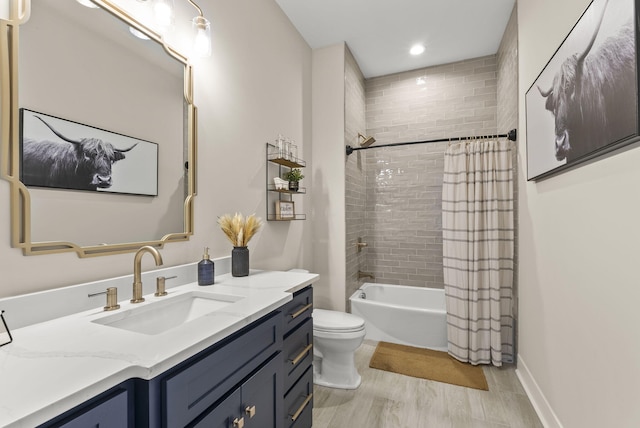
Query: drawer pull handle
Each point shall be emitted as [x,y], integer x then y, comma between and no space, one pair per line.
[251,411]
[301,355]
[301,311]
[296,415]
[238,423]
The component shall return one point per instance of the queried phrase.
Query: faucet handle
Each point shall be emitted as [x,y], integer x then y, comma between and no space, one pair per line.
[160,285]
[360,245]
[112,298]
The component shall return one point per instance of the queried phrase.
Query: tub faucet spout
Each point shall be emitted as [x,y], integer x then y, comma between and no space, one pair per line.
[137,271]
[365,275]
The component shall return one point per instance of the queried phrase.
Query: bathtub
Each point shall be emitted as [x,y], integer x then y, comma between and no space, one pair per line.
[413,316]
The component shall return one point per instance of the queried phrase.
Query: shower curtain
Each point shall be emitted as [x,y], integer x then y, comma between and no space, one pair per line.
[478,249]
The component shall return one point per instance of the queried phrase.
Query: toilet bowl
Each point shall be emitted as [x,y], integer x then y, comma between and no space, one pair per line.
[336,336]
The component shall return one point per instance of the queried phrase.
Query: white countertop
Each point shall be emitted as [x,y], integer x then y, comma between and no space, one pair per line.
[51,367]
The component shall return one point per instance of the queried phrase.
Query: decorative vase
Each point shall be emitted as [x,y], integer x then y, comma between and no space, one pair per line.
[294,186]
[240,261]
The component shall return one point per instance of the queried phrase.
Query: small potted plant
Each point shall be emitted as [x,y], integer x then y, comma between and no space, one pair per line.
[293,176]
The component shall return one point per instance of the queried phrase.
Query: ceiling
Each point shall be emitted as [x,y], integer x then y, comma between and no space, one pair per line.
[380,33]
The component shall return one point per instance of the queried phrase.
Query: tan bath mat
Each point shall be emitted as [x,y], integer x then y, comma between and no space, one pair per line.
[427,364]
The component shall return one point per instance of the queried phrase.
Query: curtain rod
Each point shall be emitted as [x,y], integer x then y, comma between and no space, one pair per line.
[511,135]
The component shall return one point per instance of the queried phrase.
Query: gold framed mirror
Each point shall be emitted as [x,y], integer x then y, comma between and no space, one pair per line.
[151,100]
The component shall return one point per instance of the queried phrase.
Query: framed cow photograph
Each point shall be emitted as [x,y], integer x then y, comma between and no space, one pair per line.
[59,153]
[584,103]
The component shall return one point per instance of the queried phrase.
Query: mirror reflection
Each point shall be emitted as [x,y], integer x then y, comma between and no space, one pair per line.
[84,65]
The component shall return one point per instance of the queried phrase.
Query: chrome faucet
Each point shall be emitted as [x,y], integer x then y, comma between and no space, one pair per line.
[137,271]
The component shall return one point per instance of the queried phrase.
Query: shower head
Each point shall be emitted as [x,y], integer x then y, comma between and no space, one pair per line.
[367,140]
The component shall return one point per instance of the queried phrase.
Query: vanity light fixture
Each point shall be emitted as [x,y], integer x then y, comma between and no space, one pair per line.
[416,50]
[202,30]
[163,14]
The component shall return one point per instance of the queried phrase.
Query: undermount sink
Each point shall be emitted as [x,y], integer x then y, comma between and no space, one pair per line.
[168,312]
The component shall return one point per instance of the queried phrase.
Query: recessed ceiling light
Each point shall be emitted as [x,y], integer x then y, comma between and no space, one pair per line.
[416,50]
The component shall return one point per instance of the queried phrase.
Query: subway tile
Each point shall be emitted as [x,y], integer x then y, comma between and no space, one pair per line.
[401,187]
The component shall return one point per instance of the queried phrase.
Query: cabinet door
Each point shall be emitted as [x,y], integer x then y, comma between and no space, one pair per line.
[193,389]
[262,396]
[111,413]
[255,404]
[224,415]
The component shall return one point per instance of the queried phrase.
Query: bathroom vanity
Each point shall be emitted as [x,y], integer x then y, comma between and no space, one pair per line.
[246,363]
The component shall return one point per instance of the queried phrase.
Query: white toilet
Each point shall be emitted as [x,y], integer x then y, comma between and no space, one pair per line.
[336,336]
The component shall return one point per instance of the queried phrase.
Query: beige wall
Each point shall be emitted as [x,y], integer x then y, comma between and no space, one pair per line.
[328,176]
[579,347]
[256,84]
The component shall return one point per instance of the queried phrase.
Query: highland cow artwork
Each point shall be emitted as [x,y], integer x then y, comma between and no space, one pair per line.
[585,101]
[59,153]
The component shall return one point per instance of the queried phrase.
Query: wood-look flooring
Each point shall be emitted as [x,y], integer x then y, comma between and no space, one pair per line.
[389,400]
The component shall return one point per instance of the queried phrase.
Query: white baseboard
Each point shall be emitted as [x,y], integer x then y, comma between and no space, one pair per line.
[537,398]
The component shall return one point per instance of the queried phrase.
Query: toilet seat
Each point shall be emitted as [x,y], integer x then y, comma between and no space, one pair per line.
[336,322]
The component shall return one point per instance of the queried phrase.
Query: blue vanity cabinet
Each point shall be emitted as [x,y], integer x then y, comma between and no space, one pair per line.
[257,377]
[111,409]
[196,388]
[297,350]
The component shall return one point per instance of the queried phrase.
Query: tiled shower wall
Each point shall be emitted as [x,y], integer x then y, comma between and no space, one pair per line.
[355,179]
[403,218]
[394,194]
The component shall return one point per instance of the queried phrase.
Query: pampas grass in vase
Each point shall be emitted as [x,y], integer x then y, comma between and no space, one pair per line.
[239,230]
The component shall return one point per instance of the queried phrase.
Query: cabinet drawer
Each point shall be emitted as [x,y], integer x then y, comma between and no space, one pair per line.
[298,402]
[299,309]
[189,392]
[298,352]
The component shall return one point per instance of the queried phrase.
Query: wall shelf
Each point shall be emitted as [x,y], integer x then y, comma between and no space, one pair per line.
[289,163]
[301,190]
[273,217]
[277,165]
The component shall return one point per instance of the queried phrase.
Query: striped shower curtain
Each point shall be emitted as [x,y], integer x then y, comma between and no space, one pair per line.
[478,235]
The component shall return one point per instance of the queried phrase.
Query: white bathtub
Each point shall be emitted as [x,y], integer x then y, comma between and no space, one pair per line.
[413,316]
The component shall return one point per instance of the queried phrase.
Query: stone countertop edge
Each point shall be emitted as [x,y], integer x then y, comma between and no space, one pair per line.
[53,366]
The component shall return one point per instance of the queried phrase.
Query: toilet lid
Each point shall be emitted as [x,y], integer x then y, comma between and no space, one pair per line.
[336,321]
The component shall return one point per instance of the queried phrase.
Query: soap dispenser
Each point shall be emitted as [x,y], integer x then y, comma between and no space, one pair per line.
[206,269]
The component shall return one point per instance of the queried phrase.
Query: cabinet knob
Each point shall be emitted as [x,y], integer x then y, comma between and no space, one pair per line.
[238,423]
[251,411]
